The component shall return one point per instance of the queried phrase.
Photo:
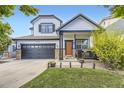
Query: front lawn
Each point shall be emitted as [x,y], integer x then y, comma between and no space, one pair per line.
[75,78]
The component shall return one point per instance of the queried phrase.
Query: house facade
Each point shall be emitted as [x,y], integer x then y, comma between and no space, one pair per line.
[52,39]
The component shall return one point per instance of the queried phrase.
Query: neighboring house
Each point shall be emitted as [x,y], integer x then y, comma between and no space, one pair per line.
[112,24]
[10,52]
[51,39]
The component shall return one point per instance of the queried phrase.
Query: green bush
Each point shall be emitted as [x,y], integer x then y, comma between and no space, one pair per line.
[52,62]
[109,47]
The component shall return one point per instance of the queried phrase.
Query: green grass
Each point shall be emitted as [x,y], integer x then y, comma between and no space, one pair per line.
[75,78]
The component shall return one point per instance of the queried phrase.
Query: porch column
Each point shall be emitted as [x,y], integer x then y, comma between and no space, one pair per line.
[75,43]
[18,51]
[60,46]
[18,54]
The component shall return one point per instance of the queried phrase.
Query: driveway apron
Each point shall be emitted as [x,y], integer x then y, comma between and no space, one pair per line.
[16,73]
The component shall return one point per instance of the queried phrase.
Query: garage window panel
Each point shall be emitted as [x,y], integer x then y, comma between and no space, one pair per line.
[32,46]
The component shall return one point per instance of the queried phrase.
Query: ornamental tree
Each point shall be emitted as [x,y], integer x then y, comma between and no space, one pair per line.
[116,10]
[5,28]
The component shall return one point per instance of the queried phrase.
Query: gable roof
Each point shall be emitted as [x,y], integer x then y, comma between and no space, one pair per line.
[117,26]
[94,23]
[110,21]
[46,16]
[105,18]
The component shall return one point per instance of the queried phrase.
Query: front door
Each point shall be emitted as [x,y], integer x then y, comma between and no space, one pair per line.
[68,47]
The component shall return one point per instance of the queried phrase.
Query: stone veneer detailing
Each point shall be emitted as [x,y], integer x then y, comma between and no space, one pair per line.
[63,53]
[57,53]
[18,54]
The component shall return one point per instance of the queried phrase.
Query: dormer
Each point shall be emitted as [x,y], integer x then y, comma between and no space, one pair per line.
[45,25]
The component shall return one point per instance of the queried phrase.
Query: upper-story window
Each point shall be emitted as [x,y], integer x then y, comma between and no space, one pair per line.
[46,27]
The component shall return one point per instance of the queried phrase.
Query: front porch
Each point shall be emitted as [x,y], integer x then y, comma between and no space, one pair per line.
[75,44]
[75,36]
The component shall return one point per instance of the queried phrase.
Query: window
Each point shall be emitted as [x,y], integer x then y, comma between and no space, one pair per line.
[82,44]
[46,27]
[14,48]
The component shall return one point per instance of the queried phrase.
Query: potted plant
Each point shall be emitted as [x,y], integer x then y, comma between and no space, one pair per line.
[52,63]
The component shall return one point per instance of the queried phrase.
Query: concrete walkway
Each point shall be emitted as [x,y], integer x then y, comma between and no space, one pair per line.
[15,73]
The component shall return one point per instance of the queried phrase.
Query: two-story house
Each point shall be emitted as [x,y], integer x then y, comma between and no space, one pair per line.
[51,39]
[112,24]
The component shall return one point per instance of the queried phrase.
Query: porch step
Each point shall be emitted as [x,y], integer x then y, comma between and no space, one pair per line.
[70,58]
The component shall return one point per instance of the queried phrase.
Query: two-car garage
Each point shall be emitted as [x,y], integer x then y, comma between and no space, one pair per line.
[38,51]
[37,47]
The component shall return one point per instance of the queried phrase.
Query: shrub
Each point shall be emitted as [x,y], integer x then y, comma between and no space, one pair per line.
[109,47]
[52,62]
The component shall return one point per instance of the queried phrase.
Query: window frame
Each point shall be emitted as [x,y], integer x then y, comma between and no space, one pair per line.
[81,44]
[40,28]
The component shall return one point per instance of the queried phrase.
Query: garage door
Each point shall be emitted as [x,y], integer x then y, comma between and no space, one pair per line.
[38,51]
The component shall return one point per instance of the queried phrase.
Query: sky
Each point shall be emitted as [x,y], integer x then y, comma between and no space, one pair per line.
[21,23]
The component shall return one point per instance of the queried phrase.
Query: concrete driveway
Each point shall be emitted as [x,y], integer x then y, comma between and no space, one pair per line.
[15,73]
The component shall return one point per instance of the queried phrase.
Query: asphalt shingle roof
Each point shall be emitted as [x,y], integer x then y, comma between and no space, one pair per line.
[31,37]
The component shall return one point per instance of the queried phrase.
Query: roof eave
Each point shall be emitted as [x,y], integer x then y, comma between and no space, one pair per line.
[36,39]
[46,15]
